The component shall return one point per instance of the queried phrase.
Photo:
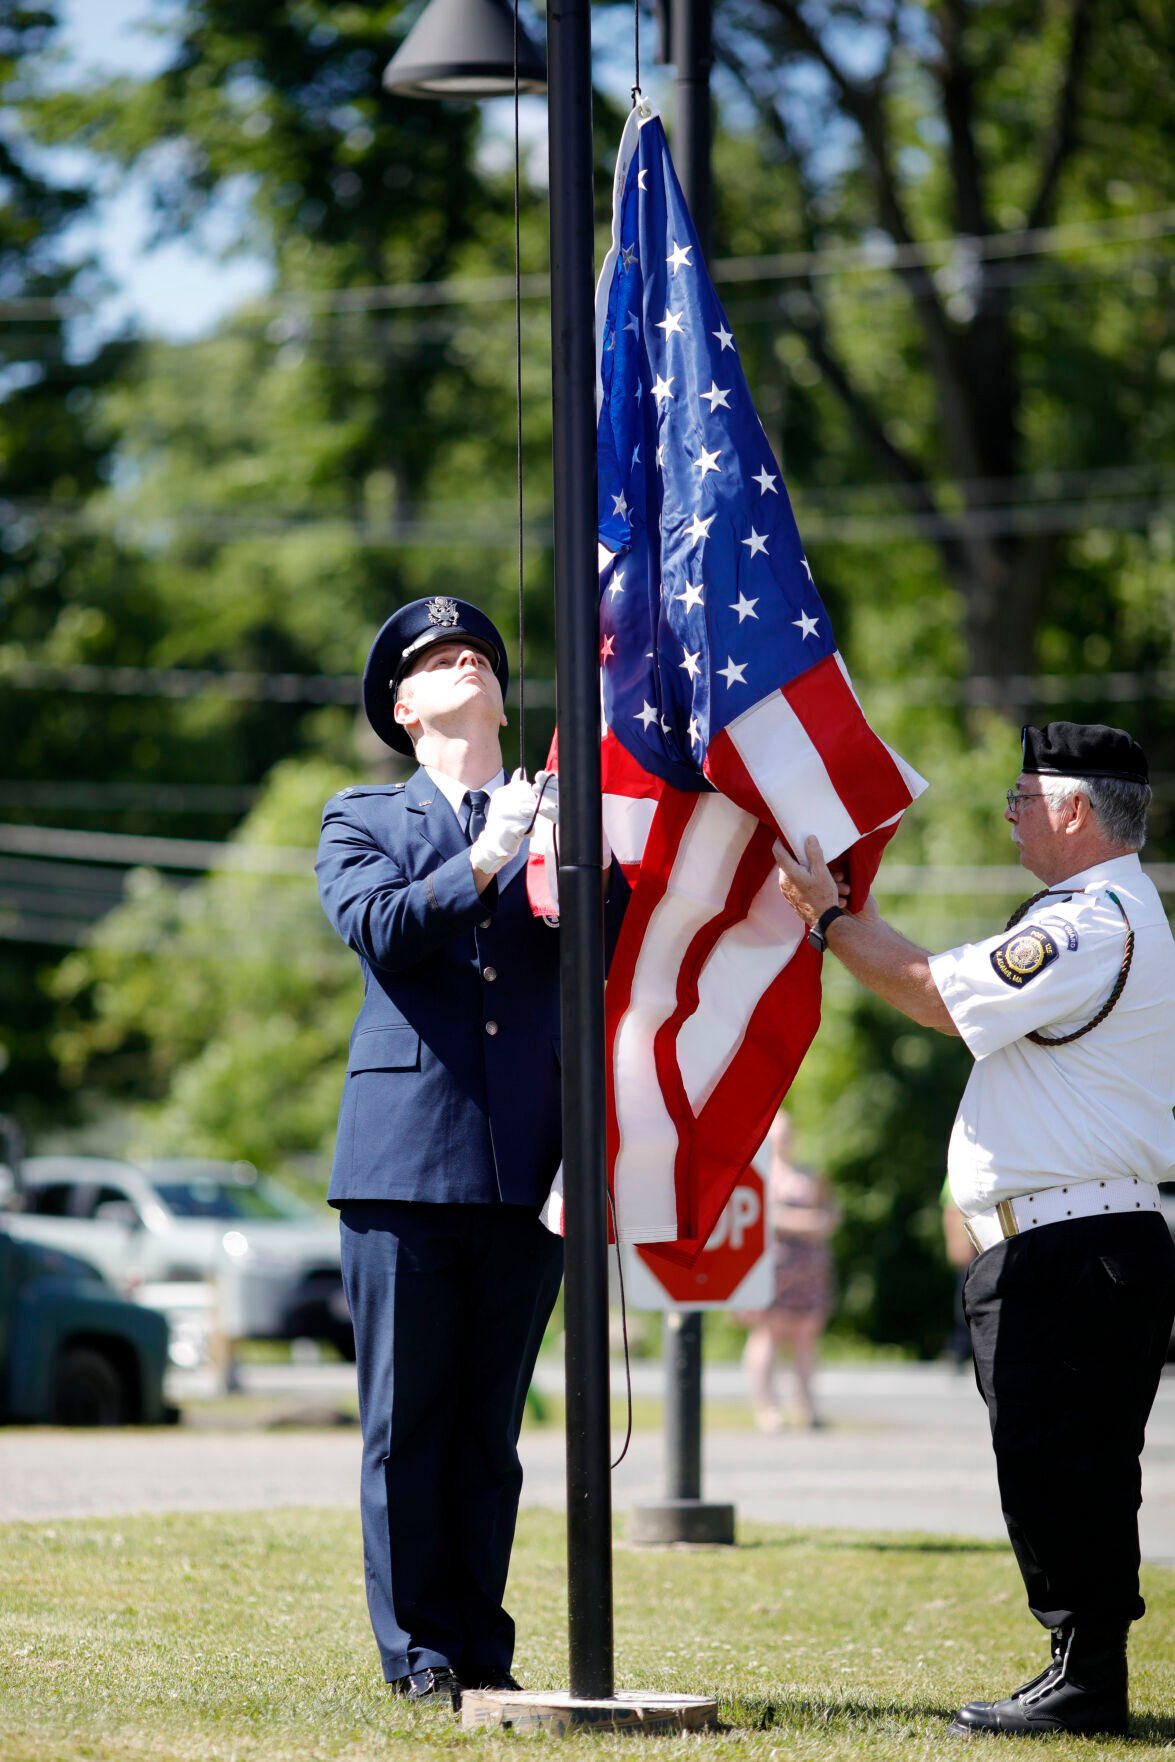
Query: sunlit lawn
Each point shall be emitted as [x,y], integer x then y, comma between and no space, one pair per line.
[244,1636]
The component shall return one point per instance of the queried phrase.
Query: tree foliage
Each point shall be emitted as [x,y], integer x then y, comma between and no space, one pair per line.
[940,241]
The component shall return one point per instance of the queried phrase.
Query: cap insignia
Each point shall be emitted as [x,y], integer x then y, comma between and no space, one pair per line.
[442,611]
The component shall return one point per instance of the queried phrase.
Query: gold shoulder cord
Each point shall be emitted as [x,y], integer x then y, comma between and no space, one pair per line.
[1123,971]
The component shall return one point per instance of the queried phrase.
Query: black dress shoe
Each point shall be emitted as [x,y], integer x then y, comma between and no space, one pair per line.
[430,1687]
[493,1678]
[1083,1690]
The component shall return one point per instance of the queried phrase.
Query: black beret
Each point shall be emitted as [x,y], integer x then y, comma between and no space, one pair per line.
[1083,749]
[406,635]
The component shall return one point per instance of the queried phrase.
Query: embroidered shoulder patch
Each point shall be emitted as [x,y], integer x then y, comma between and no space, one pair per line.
[1024,955]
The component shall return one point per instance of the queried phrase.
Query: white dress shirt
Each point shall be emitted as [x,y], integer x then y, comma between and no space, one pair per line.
[1038,1116]
[455,792]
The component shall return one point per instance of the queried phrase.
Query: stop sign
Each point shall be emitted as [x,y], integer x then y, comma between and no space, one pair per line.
[733,1270]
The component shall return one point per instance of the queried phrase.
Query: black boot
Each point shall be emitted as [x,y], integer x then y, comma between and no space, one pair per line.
[1082,1690]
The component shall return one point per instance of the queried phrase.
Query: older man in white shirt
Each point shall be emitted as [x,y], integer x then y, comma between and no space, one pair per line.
[1064,1130]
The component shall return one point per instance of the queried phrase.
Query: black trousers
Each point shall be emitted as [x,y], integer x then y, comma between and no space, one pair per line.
[449,1304]
[1069,1327]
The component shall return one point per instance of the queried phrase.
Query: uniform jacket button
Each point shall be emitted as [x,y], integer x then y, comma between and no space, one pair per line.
[485,923]
[489,973]
[491,1027]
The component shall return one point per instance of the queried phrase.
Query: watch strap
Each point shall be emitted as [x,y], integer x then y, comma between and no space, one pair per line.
[818,934]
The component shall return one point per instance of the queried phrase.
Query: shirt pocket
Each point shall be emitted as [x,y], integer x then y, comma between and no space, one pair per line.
[385,1049]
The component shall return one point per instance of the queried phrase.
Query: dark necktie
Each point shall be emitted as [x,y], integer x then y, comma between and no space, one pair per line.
[476,801]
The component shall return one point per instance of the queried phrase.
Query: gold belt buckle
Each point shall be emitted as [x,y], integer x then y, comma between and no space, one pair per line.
[1007,1218]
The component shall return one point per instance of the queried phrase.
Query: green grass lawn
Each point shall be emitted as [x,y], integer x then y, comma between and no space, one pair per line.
[244,1638]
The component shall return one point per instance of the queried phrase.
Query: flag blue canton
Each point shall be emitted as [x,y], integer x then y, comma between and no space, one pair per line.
[707,604]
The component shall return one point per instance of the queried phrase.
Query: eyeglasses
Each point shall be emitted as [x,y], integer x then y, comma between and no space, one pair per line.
[1016,798]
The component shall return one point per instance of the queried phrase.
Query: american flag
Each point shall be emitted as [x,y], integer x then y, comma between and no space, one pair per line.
[730,722]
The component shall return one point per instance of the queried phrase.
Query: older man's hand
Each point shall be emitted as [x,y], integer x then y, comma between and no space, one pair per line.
[808,884]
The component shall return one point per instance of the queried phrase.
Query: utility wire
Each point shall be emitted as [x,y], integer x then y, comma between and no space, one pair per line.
[876,255]
[161,682]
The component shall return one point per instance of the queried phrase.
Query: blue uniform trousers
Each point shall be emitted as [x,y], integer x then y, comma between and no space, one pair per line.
[449,1303]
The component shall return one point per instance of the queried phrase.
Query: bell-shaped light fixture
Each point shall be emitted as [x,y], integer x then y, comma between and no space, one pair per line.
[465,49]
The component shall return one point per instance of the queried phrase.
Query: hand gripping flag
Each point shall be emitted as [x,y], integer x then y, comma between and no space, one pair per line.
[730,722]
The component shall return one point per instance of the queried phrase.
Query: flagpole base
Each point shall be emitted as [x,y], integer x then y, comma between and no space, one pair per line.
[559,1712]
[681,1520]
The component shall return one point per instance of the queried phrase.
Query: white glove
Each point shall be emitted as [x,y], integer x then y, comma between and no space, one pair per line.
[547,787]
[509,818]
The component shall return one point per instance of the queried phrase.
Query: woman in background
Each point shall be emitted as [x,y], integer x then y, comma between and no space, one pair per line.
[802,1214]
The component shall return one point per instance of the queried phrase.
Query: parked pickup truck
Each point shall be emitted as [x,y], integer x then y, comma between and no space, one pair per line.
[72,1351]
[165,1225]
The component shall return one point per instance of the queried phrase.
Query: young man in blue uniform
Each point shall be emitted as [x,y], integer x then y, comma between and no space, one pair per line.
[1064,1131]
[448,1141]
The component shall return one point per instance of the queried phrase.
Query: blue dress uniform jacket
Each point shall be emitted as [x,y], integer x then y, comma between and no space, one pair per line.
[460,1017]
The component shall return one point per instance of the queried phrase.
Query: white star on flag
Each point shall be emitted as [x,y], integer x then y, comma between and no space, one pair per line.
[671,324]
[744,607]
[695,733]
[690,663]
[718,399]
[757,542]
[680,255]
[620,504]
[698,528]
[707,462]
[616,585]
[805,625]
[725,337]
[765,481]
[646,714]
[692,595]
[661,388]
[734,672]
[607,648]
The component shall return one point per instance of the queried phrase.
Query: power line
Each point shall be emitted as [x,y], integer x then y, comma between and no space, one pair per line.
[154,798]
[238,687]
[877,254]
[129,849]
[311,688]
[1022,519]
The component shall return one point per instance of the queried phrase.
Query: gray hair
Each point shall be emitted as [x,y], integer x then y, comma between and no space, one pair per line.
[1118,807]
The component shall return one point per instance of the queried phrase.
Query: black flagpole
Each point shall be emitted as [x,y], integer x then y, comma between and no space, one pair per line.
[573,376]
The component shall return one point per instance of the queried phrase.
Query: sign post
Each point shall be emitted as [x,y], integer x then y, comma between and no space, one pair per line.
[733,1271]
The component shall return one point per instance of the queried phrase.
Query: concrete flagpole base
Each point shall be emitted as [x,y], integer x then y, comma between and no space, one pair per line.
[559,1712]
[666,1521]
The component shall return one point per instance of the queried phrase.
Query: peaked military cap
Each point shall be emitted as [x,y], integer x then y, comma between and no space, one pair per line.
[1083,749]
[405,636]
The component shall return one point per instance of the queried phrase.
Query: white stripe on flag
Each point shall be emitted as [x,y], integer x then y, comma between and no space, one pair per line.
[738,970]
[699,883]
[627,819]
[787,770]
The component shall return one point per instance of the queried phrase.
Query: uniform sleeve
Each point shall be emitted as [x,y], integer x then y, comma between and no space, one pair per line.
[1050,974]
[388,919]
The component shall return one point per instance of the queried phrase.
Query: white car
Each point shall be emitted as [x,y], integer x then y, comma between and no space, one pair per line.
[274,1260]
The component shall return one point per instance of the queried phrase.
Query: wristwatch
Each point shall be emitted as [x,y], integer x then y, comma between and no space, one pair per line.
[818,934]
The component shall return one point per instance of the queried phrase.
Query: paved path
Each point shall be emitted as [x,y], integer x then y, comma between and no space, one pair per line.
[907,1449]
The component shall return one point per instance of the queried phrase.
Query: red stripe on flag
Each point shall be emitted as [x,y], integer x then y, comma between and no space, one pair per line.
[735,1118]
[724,767]
[861,768]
